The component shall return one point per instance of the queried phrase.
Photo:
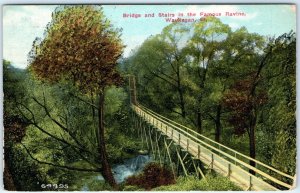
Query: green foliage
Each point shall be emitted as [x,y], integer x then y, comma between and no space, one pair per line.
[185,73]
[13,87]
[281,117]
[199,65]
[191,183]
[20,171]
[26,174]
[63,106]
[114,99]
[98,186]
[87,180]
[132,188]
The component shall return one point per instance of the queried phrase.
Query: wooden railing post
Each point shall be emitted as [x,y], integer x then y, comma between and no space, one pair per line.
[229,170]
[199,151]
[212,161]
[250,183]
[187,144]
[235,158]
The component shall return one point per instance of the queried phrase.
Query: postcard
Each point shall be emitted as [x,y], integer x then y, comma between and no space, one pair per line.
[174,97]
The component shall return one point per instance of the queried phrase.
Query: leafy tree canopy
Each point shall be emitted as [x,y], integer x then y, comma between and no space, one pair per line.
[85,52]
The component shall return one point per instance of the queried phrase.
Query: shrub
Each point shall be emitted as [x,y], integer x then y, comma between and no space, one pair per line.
[153,175]
[191,183]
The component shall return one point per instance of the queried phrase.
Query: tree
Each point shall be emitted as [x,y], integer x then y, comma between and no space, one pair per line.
[228,66]
[160,60]
[246,96]
[280,116]
[81,46]
[204,47]
[16,175]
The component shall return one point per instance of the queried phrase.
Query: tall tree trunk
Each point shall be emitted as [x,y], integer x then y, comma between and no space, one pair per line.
[95,131]
[106,169]
[252,149]
[199,122]
[252,152]
[218,123]
[7,179]
[182,105]
[180,92]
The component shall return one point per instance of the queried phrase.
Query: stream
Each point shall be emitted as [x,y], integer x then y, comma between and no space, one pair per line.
[128,168]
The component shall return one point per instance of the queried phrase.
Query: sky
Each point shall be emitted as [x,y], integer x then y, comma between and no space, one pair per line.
[23,23]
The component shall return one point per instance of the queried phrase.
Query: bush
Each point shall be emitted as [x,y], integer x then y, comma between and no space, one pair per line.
[190,183]
[153,175]
[132,188]
[184,184]
[221,183]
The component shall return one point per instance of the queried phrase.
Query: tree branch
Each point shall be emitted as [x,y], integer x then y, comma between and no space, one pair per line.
[81,99]
[49,134]
[60,166]
[166,80]
[58,123]
[212,117]
[260,67]
[175,112]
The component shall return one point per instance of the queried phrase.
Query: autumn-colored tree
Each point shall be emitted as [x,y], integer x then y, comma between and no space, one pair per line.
[245,98]
[81,46]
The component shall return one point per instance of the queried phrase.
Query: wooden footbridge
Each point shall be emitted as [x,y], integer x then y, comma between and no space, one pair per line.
[216,156]
[159,133]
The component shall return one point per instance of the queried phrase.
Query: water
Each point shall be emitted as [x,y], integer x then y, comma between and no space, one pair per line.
[128,168]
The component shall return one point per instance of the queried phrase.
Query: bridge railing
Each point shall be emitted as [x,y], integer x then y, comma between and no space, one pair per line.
[218,148]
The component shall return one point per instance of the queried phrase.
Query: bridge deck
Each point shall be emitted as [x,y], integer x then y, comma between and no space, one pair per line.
[213,154]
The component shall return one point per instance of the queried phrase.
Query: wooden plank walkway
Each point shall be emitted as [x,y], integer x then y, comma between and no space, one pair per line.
[218,157]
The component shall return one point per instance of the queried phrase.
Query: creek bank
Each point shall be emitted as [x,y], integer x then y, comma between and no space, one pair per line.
[123,170]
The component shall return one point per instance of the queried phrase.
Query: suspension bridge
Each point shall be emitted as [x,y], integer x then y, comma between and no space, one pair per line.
[164,136]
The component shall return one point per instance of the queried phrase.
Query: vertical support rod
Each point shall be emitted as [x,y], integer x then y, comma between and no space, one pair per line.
[235,158]
[250,183]
[182,164]
[145,134]
[151,143]
[187,144]
[158,150]
[169,155]
[229,170]
[212,161]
